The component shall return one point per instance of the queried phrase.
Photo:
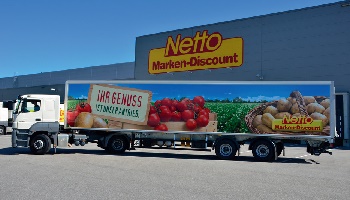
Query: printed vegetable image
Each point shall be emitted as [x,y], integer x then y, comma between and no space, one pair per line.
[161,127]
[153,120]
[191,124]
[225,108]
[71,115]
[79,115]
[295,108]
[83,107]
[192,112]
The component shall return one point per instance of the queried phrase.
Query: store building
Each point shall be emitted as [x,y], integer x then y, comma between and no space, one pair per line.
[310,44]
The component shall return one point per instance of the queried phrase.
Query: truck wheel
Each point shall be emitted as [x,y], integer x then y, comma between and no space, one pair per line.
[40,144]
[263,151]
[2,130]
[117,145]
[225,149]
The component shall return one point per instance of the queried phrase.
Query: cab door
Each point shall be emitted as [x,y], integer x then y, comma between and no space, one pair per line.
[27,115]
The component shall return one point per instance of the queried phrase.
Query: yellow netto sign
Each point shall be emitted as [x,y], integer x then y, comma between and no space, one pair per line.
[203,51]
[302,123]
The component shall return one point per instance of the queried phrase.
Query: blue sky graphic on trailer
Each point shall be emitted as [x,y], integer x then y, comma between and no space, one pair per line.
[247,92]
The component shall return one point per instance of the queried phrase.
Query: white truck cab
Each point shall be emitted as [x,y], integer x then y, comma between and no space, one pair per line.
[35,114]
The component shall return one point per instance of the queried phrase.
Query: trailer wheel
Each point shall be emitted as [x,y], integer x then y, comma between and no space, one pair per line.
[2,130]
[263,150]
[225,149]
[117,145]
[40,144]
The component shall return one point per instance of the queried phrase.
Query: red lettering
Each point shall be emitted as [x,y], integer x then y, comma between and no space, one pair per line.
[139,101]
[119,98]
[133,101]
[101,96]
[200,43]
[113,98]
[107,96]
[297,120]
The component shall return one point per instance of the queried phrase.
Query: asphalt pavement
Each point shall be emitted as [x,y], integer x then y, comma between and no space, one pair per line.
[159,173]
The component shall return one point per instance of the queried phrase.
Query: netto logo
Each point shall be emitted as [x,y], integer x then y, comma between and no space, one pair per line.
[200,43]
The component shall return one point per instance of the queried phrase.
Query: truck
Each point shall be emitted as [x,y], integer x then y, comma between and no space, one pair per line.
[218,116]
[6,117]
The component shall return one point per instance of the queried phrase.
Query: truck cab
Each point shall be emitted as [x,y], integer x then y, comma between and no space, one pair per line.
[35,114]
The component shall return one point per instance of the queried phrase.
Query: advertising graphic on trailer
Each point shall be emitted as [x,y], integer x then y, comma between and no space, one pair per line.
[293,109]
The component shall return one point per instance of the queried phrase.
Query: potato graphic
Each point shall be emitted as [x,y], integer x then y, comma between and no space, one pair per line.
[84,120]
[281,115]
[295,108]
[267,119]
[327,113]
[314,107]
[319,116]
[264,128]
[309,99]
[283,105]
[297,115]
[271,109]
[292,100]
[99,123]
[257,121]
[325,103]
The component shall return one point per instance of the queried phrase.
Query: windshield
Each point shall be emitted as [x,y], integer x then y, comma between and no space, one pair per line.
[27,105]
[17,106]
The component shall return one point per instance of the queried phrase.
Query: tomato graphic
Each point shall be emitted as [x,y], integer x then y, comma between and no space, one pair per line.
[199,100]
[158,103]
[176,116]
[207,109]
[83,107]
[161,127]
[187,114]
[197,108]
[153,120]
[191,124]
[71,115]
[152,110]
[202,121]
[164,114]
[204,112]
[181,106]
[166,102]
[174,103]
[172,108]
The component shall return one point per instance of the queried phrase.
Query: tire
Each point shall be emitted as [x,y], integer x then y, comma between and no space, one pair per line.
[263,151]
[40,144]
[225,149]
[279,148]
[2,130]
[117,145]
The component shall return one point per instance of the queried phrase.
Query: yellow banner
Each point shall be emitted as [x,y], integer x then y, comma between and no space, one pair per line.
[200,52]
[295,124]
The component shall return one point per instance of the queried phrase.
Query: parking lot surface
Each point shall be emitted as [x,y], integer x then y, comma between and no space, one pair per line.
[161,173]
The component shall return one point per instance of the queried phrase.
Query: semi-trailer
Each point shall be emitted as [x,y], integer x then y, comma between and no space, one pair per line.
[219,116]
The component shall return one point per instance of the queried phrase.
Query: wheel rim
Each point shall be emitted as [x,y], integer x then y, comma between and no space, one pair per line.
[117,144]
[226,150]
[38,144]
[262,150]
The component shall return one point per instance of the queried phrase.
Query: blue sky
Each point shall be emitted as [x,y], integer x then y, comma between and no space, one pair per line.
[52,35]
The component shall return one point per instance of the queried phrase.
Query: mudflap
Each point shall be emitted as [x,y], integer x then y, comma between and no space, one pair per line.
[318,150]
